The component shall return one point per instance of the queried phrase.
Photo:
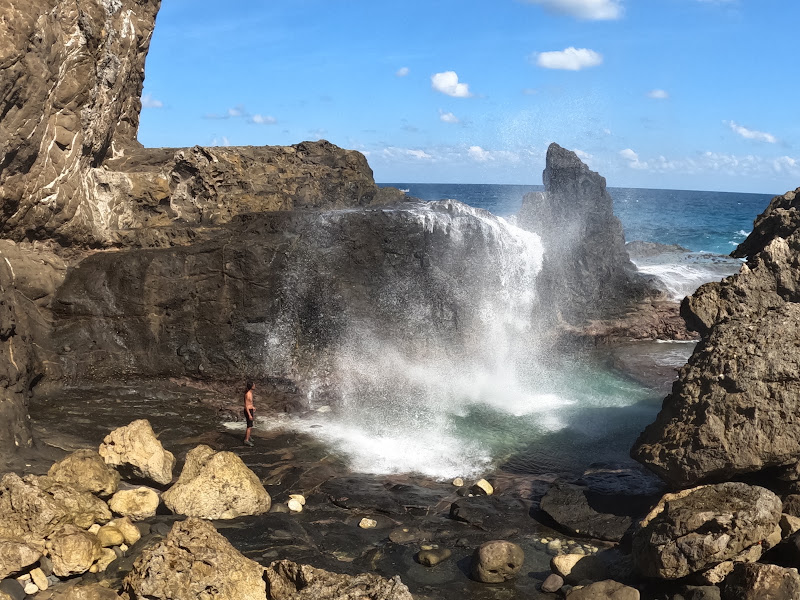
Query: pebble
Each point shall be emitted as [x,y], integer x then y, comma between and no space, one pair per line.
[294,505]
[299,497]
[554,547]
[482,487]
[31,588]
[23,578]
[366,523]
[433,556]
[553,583]
[94,529]
[39,578]
[458,482]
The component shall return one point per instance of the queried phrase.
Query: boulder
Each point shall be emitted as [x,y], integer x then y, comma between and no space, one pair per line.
[574,507]
[83,508]
[699,528]
[497,561]
[290,581]
[136,449]
[216,485]
[192,560]
[552,583]
[575,568]
[137,504]
[28,513]
[72,550]
[86,471]
[15,556]
[604,590]
[735,408]
[586,273]
[755,581]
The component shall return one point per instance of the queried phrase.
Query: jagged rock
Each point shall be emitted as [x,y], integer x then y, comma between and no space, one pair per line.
[86,471]
[72,550]
[216,485]
[497,561]
[192,560]
[604,590]
[699,528]
[699,592]
[130,533]
[137,504]
[28,513]
[736,406]
[754,581]
[135,447]
[14,556]
[780,220]
[290,581]
[587,273]
[83,508]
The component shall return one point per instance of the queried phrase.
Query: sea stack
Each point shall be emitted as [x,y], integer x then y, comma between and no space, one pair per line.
[587,273]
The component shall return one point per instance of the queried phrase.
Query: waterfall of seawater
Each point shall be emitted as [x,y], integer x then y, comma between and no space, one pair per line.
[440,371]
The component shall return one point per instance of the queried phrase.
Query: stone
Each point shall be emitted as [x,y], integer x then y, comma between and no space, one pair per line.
[85,591]
[497,561]
[791,505]
[31,588]
[72,550]
[572,506]
[216,485]
[130,533]
[575,568]
[458,482]
[28,513]
[83,508]
[191,560]
[587,273]
[789,525]
[107,556]
[432,557]
[604,590]
[756,581]
[700,592]
[367,523]
[298,498]
[294,505]
[698,528]
[110,536]
[86,471]
[40,579]
[482,487]
[552,583]
[15,556]
[136,504]
[135,448]
[291,581]
[12,589]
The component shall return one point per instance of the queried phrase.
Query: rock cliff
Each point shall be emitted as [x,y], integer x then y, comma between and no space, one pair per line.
[587,273]
[734,408]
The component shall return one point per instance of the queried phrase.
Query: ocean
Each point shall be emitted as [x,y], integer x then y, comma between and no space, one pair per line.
[419,404]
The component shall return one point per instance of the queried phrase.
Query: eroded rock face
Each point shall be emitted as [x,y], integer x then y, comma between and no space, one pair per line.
[780,220]
[193,559]
[753,581]
[290,581]
[216,485]
[135,449]
[587,273]
[28,513]
[72,550]
[14,556]
[699,528]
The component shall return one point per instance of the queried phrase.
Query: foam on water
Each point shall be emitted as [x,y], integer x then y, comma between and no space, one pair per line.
[682,274]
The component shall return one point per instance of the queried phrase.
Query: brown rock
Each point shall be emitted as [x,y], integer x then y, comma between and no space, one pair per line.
[431,558]
[28,513]
[497,561]
[85,471]
[699,528]
[72,550]
[83,508]
[137,504]
[193,559]
[216,485]
[755,581]
[290,581]
[136,448]
[552,583]
[14,556]
[604,590]
[109,536]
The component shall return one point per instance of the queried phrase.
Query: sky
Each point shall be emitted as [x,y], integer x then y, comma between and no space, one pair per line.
[679,94]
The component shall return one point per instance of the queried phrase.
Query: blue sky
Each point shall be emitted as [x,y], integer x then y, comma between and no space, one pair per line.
[684,94]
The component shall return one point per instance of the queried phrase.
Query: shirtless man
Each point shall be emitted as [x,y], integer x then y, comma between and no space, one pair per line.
[249,411]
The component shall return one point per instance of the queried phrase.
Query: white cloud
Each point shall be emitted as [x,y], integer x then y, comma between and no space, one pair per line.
[633,159]
[419,154]
[569,59]
[594,10]
[584,156]
[751,134]
[448,117]
[447,83]
[403,71]
[393,153]
[263,120]
[479,154]
[658,94]
[236,111]
[149,102]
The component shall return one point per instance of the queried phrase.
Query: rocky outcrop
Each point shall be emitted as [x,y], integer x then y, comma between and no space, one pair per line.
[586,273]
[733,409]
[700,528]
[290,581]
[216,485]
[135,449]
[780,220]
[192,560]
